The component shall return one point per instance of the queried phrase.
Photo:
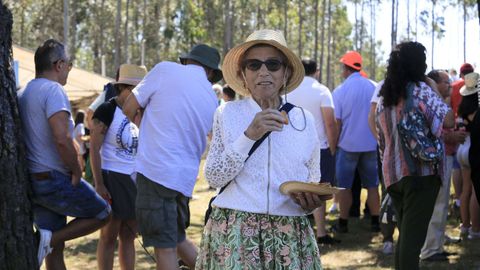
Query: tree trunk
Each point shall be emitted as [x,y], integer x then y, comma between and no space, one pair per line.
[315,49]
[322,40]
[227,31]
[117,34]
[300,26]
[329,44]
[285,22]
[393,31]
[433,31]
[408,19]
[372,40]
[65,24]
[126,39]
[17,249]
[465,31]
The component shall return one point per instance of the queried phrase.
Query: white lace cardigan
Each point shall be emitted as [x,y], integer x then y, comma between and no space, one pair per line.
[283,156]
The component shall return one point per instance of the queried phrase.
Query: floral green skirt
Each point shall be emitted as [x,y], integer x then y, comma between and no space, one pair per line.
[240,240]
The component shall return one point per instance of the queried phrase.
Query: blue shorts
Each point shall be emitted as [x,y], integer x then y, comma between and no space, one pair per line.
[348,162]
[55,198]
[327,166]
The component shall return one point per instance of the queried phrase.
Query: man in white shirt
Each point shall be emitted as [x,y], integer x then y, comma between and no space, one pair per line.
[317,99]
[176,103]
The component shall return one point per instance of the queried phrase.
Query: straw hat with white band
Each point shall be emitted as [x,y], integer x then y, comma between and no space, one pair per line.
[131,74]
[231,67]
[472,84]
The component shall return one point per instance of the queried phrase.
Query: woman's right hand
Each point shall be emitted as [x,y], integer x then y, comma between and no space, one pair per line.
[103,192]
[265,121]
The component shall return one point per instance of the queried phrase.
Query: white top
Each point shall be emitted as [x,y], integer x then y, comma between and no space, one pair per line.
[312,96]
[283,156]
[79,130]
[120,145]
[375,96]
[179,106]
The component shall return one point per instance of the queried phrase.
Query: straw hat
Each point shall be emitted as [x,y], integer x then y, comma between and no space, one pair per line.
[131,74]
[472,84]
[231,63]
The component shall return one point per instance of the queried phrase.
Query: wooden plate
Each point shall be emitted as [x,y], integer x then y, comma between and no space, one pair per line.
[318,188]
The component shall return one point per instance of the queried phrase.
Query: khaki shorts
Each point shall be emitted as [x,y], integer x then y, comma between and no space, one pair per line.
[162,214]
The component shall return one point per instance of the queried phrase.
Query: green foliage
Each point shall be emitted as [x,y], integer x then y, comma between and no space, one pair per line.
[170,28]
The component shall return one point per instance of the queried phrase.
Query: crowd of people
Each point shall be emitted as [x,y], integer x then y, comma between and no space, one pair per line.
[142,140]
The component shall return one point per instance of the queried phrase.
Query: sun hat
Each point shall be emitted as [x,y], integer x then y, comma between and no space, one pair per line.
[352,59]
[466,68]
[130,74]
[207,56]
[274,38]
[472,84]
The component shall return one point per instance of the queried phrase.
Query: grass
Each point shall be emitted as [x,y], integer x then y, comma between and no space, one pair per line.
[359,249]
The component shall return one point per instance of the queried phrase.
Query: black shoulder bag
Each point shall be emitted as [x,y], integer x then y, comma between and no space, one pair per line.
[286,107]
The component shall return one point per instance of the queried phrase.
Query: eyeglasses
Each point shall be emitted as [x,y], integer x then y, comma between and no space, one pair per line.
[255,64]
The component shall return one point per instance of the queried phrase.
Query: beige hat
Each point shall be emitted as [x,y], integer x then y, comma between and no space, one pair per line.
[472,84]
[231,64]
[131,74]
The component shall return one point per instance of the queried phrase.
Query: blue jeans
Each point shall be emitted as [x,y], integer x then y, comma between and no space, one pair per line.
[56,198]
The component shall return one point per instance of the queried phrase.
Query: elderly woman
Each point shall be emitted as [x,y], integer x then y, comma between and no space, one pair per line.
[114,141]
[413,184]
[252,224]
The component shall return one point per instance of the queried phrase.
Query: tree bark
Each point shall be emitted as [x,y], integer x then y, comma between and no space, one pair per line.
[315,50]
[118,20]
[126,37]
[17,249]
[322,40]
[300,26]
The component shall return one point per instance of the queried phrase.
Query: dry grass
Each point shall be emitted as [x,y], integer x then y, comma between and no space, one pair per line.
[359,249]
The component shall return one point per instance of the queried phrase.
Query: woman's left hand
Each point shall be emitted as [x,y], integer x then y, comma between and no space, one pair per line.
[309,201]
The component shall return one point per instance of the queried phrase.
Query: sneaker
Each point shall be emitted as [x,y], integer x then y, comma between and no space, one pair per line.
[43,244]
[473,235]
[387,248]
[333,209]
[327,240]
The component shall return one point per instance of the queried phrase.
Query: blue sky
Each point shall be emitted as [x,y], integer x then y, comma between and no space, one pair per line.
[448,50]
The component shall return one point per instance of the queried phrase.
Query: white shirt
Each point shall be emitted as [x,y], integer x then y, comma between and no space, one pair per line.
[179,106]
[79,130]
[312,96]
[283,156]
[120,145]
[375,96]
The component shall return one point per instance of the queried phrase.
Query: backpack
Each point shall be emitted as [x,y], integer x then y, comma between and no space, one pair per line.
[417,139]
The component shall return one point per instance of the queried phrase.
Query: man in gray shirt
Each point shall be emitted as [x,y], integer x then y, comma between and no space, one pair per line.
[58,190]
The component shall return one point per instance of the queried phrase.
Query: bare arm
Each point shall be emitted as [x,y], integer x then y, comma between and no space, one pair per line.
[339,130]
[371,119]
[97,135]
[65,146]
[449,121]
[131,108]
[330,128]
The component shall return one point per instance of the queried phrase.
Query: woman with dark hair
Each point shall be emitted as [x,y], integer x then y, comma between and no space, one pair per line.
[413,188]
[78,133]
[468,155]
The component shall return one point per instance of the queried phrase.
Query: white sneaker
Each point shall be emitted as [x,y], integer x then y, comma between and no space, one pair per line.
[333,209]
[473,235]
[43,245]
[387,248]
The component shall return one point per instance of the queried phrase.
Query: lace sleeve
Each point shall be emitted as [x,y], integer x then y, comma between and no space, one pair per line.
[313,165]
[223,164]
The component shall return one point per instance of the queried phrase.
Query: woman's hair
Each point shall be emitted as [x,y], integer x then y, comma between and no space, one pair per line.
[468,105]
[119,87]
[406,64]
[79,117]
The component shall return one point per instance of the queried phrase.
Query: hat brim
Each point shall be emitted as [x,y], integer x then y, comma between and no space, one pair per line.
[464,91]
[231,66]
[128,82]
[218,72]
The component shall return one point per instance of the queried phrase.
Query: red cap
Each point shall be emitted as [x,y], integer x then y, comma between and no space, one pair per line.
[352,59]
[466,68]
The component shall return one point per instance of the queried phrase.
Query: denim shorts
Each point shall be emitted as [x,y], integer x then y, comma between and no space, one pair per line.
[348,162]
[163,214]
[55,198]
